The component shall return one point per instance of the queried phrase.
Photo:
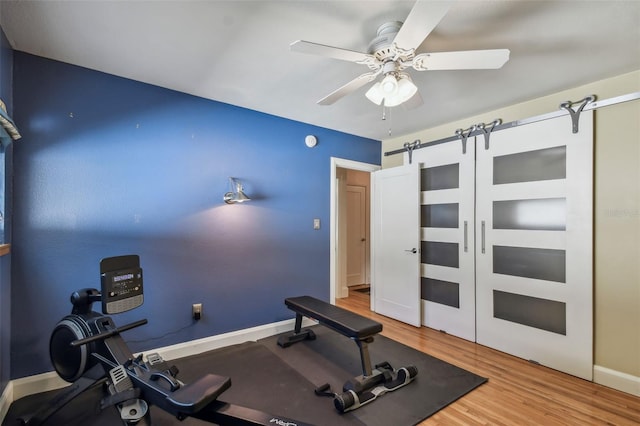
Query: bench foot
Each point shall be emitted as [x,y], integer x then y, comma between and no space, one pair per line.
[287,340]
[363,390]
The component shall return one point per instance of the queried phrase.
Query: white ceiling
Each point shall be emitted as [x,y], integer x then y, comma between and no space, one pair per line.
[237,52]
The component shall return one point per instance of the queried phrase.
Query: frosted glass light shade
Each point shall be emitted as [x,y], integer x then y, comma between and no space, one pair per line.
[393,91]
[374,94]
[406,89]
[389,85]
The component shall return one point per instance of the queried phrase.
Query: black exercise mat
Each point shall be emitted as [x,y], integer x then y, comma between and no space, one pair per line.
[333,358]
[260,380]
[281,381]
[263,381]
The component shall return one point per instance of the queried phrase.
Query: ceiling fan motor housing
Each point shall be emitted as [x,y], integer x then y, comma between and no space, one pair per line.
[380,47]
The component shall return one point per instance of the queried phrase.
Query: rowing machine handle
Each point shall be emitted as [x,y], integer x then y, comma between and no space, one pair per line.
[108,333]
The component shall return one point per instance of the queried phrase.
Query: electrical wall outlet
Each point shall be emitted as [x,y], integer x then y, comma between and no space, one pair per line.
[196,311]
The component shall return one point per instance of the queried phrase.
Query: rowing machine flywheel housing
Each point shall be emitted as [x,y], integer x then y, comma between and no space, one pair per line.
[71,362]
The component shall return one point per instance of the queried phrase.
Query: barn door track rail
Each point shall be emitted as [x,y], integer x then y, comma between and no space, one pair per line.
[565,108]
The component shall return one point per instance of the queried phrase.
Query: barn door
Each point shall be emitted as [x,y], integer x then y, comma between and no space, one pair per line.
[534,244]
[447,237]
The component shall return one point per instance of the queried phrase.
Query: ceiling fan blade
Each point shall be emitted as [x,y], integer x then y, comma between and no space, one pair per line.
[462,60]
[351,86]
[422,19]
[310,48]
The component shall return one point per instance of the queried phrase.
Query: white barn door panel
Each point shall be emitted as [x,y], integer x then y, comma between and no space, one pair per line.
[533,228]
[447,180]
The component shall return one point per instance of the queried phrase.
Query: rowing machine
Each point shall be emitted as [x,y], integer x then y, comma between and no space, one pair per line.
[86,349]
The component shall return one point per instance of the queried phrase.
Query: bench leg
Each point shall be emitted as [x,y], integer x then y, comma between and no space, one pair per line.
[365,359]
[298,334]
[298,325]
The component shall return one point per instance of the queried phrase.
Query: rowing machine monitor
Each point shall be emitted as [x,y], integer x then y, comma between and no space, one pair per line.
[121,282]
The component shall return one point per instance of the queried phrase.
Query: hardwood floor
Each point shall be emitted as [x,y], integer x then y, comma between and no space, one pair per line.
[518,392]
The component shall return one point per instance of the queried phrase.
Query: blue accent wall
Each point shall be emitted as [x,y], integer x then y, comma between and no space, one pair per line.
[6,94]
[109,166]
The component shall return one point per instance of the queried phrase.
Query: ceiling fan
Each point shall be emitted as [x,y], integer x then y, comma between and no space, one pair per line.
[392,52]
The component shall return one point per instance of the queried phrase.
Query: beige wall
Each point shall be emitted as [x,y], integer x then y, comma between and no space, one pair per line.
[616,210]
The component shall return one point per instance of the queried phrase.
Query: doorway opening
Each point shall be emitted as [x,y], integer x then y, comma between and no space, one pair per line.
[350,227]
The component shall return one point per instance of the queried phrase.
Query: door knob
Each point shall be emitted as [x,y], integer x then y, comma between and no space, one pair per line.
[413,250]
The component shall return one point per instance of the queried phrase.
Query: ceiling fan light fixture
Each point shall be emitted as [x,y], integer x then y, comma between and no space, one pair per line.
[375,94]
[406,87]
[389,84]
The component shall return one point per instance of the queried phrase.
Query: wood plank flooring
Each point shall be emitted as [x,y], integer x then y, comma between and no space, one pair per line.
[518,392]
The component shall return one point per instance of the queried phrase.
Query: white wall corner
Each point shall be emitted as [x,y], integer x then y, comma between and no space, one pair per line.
[617,380]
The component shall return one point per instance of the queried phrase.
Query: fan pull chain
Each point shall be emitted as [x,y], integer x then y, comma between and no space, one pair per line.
[384,115]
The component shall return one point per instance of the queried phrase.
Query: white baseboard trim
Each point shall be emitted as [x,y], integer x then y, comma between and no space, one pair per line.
[5,400]
[30,385]
[198,346]
[25,386]
[617,380]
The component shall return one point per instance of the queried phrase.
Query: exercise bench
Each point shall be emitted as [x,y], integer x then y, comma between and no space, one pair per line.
[373,382]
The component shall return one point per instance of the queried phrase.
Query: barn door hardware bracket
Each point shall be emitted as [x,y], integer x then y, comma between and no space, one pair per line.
[575,114]
[463,135]
[487,132]
[410,146]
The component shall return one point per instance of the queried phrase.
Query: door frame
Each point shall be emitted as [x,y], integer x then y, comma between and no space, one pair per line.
[333,221]
[363,237]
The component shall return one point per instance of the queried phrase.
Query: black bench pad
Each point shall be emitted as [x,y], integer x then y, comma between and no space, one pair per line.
[344,322]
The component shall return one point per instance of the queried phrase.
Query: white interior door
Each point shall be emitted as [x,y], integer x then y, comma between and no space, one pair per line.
[395,257]
[447,238]
[534,244]
[356,235]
